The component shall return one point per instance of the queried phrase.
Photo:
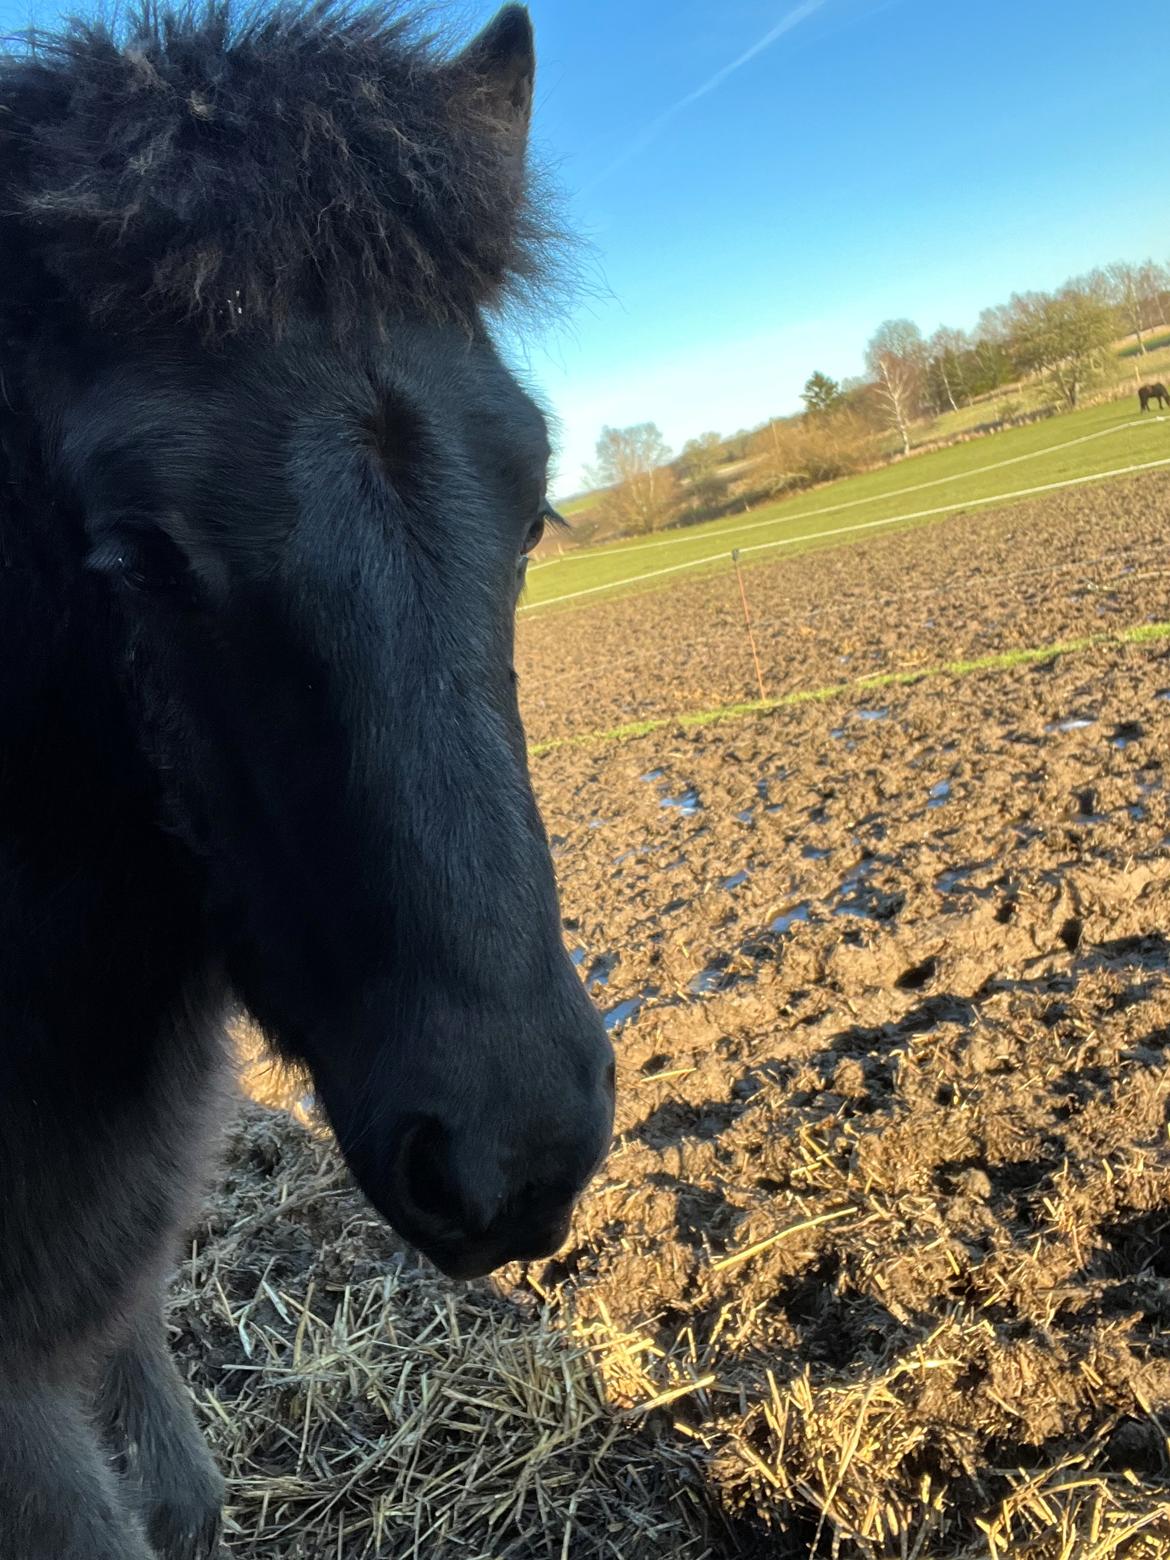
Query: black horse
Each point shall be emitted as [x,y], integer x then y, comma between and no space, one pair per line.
[1156,392]
[267,495]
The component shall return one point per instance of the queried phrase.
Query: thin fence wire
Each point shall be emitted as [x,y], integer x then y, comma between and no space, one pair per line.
[813,537]
[742,527]
[826,615]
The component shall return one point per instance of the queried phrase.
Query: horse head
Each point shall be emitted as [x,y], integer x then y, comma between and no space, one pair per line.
[248,280]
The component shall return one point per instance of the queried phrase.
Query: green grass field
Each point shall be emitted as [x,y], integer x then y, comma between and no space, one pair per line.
[1120,378]
[1076,447]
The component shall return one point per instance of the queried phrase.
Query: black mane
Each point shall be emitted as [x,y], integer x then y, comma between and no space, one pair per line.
[232,169]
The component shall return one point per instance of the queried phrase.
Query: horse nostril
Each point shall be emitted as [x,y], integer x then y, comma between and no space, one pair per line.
[447,1189]
[423,1178]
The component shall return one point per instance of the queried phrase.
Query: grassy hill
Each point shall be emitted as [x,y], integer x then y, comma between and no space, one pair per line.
[1125,371]
[1081,446]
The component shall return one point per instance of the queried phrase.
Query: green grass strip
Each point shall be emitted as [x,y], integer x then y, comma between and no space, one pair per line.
[1140,634]
[1061,454]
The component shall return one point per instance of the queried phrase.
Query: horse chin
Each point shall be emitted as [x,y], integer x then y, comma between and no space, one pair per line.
[457,1254]
[463,1267]
[479,1258]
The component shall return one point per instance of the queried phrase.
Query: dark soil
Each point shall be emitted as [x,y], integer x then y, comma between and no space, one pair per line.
[887,1221]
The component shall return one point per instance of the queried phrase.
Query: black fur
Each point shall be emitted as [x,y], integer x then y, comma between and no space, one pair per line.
[239,170]
[260,730]
[1156,392]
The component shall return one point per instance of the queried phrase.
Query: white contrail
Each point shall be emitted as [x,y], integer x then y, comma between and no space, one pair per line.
[787,22]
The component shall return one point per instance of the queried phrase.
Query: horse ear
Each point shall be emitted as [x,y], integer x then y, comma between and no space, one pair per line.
[498,69]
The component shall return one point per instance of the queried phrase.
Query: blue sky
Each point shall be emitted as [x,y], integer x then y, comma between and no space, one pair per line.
[763,181]
[876,158]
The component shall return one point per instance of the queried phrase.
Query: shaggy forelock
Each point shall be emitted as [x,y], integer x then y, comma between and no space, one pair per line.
[233,168]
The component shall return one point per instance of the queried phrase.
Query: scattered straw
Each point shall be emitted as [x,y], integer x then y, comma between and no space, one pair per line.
[362,1407]
[754,1250]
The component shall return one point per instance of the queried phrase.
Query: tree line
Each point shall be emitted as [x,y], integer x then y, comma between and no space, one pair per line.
[1060,340]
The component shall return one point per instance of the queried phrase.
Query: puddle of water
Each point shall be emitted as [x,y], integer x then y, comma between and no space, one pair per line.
[853,892]
[578,957]
[600,971]
[1163,694]
[774,808]
[1072,723]
[715,978]
[953,878]
[883,714]
[816,853]
[745,816]
[855,874]
[633,853]
[688,803]
[1137,812]
[735,880]
[598,823]
[837,733]
[624,1011]
[785,923]
[653,774]
[940,794]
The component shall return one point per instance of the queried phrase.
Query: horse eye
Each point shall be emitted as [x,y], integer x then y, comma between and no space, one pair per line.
[534,534]
[150,565]
[545,516]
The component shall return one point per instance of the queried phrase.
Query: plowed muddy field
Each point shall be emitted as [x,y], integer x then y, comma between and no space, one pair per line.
[1082,562]
[880,1264]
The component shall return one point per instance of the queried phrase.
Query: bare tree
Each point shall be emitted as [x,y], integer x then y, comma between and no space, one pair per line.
[768,448]
[698,466]
[991,348]
[946,350]
[700,456]
[795,452]
[896,357]
[1064,335]
[632,465]
[1136,293]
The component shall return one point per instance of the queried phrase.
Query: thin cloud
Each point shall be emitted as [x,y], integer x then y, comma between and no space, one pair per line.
[654,129]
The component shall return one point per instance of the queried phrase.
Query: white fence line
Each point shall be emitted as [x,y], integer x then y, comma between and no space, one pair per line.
[673,538]
[552,676]
[844,530]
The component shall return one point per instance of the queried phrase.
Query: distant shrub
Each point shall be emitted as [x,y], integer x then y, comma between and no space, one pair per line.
[802,451]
